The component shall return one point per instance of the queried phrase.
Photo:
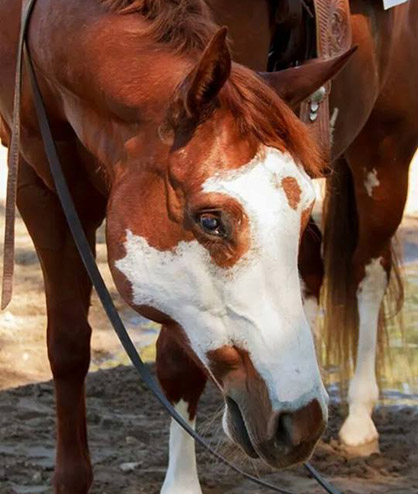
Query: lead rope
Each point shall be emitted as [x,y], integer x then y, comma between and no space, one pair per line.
[89,260]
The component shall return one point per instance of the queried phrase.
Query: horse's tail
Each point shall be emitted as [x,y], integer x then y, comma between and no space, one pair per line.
[340,238]
[339,292]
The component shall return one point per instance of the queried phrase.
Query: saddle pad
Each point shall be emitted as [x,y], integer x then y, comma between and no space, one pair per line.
[388,4]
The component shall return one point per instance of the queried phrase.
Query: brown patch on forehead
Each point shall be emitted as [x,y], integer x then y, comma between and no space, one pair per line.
[292,190]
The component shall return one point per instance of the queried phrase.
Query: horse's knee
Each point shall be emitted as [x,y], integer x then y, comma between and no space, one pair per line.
[68,344]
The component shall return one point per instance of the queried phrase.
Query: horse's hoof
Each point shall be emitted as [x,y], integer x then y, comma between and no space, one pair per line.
[361,450]
[358,435]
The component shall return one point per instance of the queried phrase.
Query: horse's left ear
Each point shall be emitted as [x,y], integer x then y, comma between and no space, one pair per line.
[296,84]
[207,78]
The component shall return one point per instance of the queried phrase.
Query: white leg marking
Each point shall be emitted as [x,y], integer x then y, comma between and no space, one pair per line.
[181,477]
[371,181]
[359,429]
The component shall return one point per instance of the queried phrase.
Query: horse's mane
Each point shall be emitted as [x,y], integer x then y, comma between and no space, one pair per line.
[187,26]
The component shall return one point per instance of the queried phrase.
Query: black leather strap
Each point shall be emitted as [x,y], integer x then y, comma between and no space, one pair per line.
[100,287]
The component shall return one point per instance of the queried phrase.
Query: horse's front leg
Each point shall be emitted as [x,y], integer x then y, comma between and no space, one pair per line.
[68,292]
[183,382]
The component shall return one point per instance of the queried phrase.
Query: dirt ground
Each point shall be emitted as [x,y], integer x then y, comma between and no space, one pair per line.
[128,431]
[128,440]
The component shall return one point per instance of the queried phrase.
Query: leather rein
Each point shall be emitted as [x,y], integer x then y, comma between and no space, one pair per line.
[84,248]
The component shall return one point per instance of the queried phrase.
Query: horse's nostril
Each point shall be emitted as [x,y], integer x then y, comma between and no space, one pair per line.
[303,425]
[233,407]
[286,433]
[238,424]
[236,415]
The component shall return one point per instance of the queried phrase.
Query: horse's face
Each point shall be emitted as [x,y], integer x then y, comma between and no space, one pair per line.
[218,256]
[210,248]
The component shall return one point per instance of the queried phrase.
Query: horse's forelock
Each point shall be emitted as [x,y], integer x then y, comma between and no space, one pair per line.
[259,112]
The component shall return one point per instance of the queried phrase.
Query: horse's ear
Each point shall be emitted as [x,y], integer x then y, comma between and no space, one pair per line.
[207,78]
[298,83]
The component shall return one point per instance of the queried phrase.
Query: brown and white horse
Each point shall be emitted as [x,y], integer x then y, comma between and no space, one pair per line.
[204,176]
[374,104]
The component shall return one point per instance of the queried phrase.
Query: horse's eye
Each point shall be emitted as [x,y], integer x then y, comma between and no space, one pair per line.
[211,224]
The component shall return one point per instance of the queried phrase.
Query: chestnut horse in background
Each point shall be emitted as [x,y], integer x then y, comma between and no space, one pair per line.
[375,103]
[204,176]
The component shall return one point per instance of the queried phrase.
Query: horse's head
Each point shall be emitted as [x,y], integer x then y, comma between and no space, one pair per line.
[204,224]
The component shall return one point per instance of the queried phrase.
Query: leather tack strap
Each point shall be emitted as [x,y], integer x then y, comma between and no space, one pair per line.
[13,165]
[334,37]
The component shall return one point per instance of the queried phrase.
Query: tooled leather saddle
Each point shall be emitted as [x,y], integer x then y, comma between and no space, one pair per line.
[303,30]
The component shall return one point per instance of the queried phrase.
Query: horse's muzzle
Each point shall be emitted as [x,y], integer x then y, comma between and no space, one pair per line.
[281,434]
[280,439]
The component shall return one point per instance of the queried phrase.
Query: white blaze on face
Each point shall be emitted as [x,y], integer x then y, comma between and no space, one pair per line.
[371,181]
[256,304]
